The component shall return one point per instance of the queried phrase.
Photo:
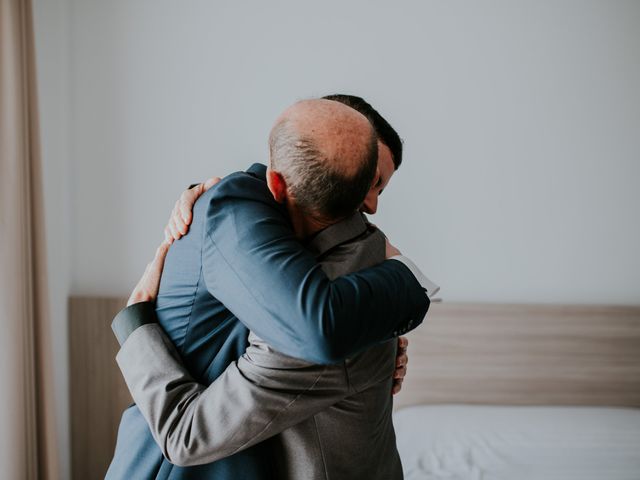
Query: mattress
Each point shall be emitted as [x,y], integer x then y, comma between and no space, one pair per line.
[456,442]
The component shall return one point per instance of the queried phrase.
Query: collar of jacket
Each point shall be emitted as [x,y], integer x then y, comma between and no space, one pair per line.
[337,234]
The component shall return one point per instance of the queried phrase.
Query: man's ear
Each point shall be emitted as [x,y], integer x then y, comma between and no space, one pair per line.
[277,185]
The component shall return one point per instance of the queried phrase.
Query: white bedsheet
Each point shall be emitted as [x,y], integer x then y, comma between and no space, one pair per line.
[518,443]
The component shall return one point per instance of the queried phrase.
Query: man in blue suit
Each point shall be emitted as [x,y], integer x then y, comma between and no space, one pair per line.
[241,256]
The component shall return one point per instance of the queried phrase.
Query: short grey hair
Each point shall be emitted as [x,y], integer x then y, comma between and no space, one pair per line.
[318,184]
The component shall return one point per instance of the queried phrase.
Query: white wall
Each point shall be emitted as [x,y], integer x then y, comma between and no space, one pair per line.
[51,22]
[520,120]
[521,124]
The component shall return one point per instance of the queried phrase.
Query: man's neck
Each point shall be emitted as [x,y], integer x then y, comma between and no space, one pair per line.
[304,225]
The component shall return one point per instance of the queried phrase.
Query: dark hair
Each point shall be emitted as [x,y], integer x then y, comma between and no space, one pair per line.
[384,130]
[319,186]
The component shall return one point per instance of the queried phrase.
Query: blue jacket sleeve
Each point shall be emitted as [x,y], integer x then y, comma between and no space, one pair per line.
[253,263]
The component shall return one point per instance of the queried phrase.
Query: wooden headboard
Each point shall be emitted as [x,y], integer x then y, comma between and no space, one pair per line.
[525,355]
[489,354]
[98,394]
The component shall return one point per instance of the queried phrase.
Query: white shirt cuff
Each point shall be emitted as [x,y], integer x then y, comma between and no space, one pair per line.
[431,288]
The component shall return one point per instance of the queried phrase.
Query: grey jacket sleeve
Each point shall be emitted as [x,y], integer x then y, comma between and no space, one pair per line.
[260,395]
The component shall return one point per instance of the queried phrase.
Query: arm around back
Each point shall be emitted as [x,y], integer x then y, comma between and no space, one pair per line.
[254,264]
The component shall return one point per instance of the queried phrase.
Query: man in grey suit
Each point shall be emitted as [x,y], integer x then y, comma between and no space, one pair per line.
[331,421]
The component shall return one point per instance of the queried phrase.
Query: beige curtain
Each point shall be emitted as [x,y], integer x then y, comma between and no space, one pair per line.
[27,433]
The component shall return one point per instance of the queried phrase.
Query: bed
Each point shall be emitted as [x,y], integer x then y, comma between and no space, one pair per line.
[463,442]
[510,392]
[494,392]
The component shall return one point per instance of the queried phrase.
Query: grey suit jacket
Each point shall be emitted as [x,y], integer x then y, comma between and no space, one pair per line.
[329,421]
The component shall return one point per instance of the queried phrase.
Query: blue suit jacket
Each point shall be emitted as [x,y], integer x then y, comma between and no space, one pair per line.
[240,268]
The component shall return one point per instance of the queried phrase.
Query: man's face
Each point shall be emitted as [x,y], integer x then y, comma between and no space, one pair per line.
[384,173]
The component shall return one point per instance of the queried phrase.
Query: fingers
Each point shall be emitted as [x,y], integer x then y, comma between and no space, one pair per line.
[177,227]
[397,386]
[402,359]
[184,205]
[182,213]
[171,231]
[398,378]
[173,228]
[149,284]
[400,373]
[178,219]
[183,216]
[211,182]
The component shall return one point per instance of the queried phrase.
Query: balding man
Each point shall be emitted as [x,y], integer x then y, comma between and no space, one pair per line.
[243,255]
